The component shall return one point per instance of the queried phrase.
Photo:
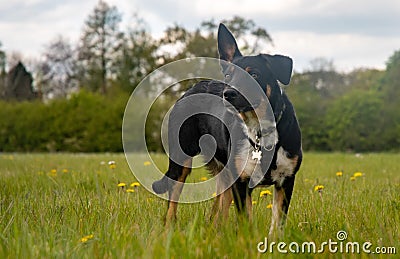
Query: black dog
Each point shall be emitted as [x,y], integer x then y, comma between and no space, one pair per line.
[255,137]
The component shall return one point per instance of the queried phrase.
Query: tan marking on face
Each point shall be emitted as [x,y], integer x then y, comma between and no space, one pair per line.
[247,69]
[268,91]
[243,116]
[248,116]
[261,110]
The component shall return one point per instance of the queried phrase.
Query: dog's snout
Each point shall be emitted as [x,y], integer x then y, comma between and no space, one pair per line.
[230,94]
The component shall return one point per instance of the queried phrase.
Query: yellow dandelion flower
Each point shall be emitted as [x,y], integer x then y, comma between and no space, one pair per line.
[147,163]
[65,171]
[340,173]
[269,206]
[203,178]
[352,178]
[112,164]
[86,238]
[53,172]
[254,202]
[121,185]
[135,184]
[130,190]
[319,188]
[357,174]
[214,194]
[265,193]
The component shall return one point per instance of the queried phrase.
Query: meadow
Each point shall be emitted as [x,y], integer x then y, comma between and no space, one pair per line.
[80,206]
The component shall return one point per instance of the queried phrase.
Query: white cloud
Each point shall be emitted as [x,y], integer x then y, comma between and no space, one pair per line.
[346,50]
[352,33]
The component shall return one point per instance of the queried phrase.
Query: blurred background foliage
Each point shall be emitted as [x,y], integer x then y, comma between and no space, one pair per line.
[81,90]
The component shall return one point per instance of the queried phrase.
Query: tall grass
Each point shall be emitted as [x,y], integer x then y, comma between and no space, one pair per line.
[69,206]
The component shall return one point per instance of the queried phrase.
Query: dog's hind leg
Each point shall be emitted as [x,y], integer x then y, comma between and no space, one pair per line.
[175,189]
[175,171]
[280,207]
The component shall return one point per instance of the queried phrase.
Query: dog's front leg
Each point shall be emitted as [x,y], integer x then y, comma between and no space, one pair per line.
[224,198]
[221,206]
[242,198]
[282,197]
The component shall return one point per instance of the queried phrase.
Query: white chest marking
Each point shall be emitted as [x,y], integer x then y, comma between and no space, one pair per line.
[285,167]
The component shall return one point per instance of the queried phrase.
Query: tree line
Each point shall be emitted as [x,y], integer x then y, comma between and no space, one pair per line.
[354,111]
[107,57]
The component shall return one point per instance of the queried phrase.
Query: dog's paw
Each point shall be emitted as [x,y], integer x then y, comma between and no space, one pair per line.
[160,186]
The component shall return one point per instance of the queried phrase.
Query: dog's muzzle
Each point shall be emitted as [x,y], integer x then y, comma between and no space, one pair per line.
[236,99]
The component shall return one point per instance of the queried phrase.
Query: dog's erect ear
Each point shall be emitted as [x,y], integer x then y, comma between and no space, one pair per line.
[281,67]
[227,47]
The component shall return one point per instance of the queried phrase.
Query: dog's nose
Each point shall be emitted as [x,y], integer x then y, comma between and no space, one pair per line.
[230,94]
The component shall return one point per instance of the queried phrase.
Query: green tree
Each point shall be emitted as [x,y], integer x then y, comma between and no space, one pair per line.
[364,79]
[137,57]
[249,33]
[321,92]
[390,88]
[58,75]
[100,43]
[202,41]
[2,70]
[2,60]
[354,122]
[310,105]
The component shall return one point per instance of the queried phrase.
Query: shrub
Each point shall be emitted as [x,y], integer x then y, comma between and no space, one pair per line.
[86,122]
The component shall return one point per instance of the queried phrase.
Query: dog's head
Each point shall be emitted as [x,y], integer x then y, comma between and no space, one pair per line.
[266,69]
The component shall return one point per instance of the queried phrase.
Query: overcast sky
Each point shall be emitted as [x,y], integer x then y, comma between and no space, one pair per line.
[353,33]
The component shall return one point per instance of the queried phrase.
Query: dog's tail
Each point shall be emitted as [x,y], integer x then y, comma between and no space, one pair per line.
[162,185]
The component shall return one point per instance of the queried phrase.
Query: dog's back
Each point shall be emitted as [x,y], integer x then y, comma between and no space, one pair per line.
[213,120]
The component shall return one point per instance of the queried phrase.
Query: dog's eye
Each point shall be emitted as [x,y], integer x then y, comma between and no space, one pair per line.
[254,75]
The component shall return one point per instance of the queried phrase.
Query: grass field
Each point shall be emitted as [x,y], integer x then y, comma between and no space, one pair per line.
[69,206]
